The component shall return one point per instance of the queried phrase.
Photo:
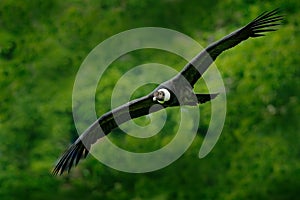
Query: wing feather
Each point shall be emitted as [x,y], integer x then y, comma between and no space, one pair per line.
[139,107]
[256,28]
[103,126]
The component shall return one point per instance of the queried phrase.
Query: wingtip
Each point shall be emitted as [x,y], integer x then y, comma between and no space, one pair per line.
[70,159]
[266,22]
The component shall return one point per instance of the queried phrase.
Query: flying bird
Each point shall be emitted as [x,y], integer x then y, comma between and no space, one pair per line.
[174,92]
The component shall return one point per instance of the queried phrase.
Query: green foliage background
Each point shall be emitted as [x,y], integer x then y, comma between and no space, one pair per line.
[42,44]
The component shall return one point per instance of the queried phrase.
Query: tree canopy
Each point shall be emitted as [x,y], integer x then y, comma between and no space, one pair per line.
[42,45]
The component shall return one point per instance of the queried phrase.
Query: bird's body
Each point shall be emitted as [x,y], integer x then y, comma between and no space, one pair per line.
[174,92]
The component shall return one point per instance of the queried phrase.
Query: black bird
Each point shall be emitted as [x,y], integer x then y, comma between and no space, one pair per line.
[174,92]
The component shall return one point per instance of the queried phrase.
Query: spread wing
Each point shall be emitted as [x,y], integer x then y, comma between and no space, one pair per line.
[103,126]
[139,107]
[265,22]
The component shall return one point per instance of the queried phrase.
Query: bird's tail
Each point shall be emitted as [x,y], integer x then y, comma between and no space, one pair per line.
[202,98]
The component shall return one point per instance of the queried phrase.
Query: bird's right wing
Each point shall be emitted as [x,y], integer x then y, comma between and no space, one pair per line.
[103,126]
[256,28]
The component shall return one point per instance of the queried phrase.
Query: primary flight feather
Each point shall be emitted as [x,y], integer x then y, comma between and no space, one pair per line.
[174,92]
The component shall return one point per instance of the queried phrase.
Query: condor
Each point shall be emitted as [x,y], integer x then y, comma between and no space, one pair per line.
[174,92]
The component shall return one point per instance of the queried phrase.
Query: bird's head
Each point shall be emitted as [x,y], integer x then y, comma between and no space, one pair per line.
[161,95]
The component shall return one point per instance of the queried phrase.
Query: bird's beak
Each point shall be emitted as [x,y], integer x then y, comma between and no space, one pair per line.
[154,98]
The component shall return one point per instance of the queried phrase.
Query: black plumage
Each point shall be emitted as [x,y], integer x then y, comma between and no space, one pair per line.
[180,87]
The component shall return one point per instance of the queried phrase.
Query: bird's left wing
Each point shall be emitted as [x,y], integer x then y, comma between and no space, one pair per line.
[256,28]
[103,126]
